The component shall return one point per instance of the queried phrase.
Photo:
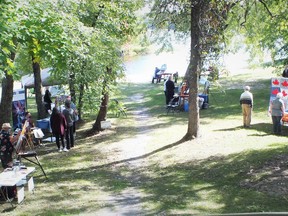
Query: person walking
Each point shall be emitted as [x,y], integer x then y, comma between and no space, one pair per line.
[170,88]
[277,110]
[58,125]
[246,102]
[68,112]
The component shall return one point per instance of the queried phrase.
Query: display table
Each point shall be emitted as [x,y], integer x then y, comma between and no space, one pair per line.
[16,177]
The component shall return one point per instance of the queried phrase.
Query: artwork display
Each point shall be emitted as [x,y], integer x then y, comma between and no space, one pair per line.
[279,84]
[18,108]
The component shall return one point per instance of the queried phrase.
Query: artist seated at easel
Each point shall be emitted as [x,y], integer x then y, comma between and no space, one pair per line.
[29,128]
[29,119]
[6,145]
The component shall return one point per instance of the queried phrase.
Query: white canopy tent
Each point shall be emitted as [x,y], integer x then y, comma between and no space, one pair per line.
[27,81]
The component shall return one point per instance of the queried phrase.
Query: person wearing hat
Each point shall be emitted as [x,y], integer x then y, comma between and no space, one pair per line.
[246,102]
[277,110]
[6,145]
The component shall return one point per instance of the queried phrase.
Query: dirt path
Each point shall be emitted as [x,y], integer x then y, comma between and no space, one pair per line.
[128,201]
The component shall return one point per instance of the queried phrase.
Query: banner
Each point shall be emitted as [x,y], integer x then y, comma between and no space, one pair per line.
[279,84]
[18,108]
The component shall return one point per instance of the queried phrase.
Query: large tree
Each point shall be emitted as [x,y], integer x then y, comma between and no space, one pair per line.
[9,15]
[201,21]
[42,37]
[206,22]
[109,25]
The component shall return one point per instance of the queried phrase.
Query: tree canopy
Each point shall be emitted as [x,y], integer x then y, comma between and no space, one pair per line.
[80,40]
[211,26]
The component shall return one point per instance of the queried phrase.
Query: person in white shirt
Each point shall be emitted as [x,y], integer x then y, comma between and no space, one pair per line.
[246,101]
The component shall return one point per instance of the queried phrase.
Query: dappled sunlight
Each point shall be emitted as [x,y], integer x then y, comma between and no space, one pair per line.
[140,166]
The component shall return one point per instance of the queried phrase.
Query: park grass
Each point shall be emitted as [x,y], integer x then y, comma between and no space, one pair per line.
[214,174]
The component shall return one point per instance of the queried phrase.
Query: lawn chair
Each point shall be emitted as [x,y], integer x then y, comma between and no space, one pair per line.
[174,105]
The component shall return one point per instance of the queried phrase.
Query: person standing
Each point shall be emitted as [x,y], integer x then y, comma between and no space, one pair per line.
[58,126]
[170,88]
[47,100]
[277,110]
[164,89]
[246,101]
[75,114]
[68,112]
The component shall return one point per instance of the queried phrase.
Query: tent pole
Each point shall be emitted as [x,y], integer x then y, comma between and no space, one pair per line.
[26,105]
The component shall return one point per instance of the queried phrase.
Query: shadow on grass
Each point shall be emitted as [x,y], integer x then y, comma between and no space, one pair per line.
[260,127]
[217,184]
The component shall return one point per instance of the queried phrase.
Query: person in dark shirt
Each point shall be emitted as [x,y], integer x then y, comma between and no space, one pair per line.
[47,100]
[58,126]
[170,88]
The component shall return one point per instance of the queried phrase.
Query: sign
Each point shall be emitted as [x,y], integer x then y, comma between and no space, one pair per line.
[18,107]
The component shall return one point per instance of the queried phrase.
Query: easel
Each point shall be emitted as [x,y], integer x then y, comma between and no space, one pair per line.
[25,139]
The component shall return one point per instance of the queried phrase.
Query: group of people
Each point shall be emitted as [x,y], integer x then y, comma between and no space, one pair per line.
[64,124]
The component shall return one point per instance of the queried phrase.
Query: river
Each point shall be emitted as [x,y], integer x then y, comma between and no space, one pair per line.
[141,69]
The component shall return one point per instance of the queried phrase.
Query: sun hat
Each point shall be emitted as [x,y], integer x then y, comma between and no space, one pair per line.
[6,125]
[247,88]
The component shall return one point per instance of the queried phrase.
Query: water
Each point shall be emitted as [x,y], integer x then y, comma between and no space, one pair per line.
[141,69]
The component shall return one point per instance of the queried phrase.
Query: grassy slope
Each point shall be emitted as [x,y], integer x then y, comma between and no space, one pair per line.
[213,174]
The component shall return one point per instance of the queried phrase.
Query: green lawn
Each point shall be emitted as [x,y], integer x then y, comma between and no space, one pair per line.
[138,166]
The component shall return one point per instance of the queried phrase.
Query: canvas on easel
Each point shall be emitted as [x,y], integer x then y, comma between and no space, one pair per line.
[24,140]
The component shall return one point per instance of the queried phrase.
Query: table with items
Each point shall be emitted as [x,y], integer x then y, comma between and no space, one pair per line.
[17,177]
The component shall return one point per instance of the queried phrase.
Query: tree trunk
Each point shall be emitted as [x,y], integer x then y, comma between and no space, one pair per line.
[192,73]
[72,87]
[103,107]
[102,113]
[41,112]
[80,100]
[7,97]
